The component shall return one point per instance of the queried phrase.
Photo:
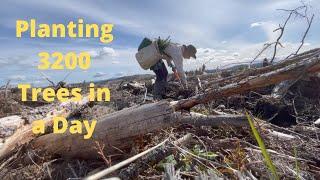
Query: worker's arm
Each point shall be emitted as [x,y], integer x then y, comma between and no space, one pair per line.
[175,53]
[181,73]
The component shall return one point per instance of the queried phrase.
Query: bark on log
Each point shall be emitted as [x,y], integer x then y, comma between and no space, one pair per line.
[113,130]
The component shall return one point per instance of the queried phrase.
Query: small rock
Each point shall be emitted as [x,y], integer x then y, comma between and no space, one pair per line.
[180,97]
[221,107]
[317,122]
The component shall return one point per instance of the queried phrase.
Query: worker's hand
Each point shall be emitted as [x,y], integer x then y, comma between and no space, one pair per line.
[176,74]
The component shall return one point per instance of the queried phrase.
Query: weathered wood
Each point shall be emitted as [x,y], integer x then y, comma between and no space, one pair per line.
[116,129]
[281,135]
[281,89]
[198,119]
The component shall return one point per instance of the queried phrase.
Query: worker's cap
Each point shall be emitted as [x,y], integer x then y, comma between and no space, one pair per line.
[192,51]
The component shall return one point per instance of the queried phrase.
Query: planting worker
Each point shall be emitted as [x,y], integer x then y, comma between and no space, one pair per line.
[265,62]
[174,54]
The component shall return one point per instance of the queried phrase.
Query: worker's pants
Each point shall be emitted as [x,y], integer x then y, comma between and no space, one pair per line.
[160,86]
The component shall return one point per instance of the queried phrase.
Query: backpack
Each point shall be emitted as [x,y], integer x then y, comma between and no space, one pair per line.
[150,52]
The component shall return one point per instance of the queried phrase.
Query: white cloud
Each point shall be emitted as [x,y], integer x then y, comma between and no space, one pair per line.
[100,74]
[119,74]
[256,24]
[240,54]
[103,53]
[108,51]
[115,62]
[268,27]
[3,62]
[93,53]
[205,24]
[307,44]
[17,77]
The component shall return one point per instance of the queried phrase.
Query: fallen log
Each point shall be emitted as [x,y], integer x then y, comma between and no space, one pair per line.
[119,128]
[113,130]
[292,71]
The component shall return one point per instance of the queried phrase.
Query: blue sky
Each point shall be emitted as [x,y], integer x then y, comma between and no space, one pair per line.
[227,32]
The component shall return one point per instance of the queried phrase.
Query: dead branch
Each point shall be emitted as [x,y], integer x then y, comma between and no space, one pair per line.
[48,79]
[100,149]
[292,12]
[304,35]
[6,90]
[265,47]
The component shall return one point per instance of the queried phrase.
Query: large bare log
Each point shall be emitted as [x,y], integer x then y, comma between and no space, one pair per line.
[113,130]
[117,129]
